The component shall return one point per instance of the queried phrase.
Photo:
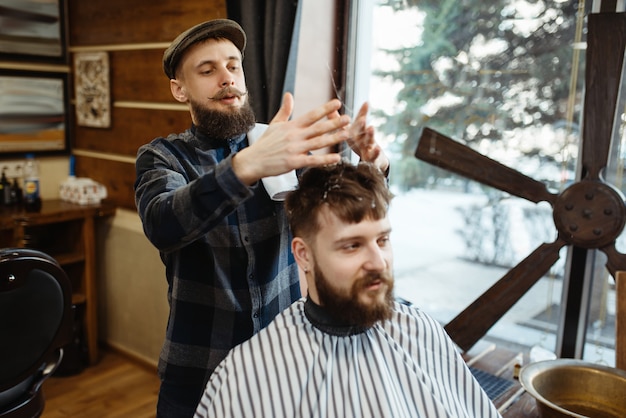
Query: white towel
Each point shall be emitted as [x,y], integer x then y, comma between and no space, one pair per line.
[277,186]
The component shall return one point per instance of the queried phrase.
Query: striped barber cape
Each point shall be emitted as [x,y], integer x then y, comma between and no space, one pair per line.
[302,365]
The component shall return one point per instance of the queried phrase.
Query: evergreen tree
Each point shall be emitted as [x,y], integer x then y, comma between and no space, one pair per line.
[484,73]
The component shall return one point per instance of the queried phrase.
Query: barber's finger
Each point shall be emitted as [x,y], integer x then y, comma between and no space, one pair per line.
[326,140]
[357,129]
[361,137]
[359,125]
[286,109]
[363,110]
[366,136]
[319,113]
[321,159]
[373,153]
[328,126]
[333,115]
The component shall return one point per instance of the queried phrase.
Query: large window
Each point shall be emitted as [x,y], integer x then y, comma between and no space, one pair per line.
[506,78]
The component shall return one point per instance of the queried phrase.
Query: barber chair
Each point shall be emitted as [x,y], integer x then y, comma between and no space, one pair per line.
[35,324]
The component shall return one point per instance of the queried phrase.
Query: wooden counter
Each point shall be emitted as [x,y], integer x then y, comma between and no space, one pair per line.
[65,231]
[514,402]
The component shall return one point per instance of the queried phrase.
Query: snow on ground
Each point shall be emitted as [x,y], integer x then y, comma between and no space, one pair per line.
[431,271]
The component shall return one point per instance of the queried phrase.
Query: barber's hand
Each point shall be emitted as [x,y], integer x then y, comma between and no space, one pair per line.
[287,144]
[362,141]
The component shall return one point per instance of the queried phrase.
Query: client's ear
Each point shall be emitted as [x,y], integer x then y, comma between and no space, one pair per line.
[301,252]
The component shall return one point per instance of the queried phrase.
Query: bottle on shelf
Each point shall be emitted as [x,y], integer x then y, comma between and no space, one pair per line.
[16,193]
[32,197]
[5,186]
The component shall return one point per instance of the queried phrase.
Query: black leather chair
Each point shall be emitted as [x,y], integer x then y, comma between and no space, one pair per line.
[35,323]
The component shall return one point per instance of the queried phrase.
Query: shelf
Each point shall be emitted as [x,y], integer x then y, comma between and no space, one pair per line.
[66,232]
[78,298]
[69,258]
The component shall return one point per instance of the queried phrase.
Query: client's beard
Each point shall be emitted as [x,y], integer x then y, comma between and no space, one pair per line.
[346,307]
[223,125]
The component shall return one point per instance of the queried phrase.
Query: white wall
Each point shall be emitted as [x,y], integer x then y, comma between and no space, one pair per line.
[314,70]
[132,288]
[53,171]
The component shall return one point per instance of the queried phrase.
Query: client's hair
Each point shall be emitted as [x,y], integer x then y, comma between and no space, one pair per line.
[352,193]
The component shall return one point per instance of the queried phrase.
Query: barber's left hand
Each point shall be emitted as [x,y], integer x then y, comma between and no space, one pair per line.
[361,140]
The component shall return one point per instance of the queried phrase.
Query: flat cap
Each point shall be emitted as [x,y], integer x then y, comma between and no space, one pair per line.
[218,28]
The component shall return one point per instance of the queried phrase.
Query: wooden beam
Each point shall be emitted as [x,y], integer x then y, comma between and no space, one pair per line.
[620,320]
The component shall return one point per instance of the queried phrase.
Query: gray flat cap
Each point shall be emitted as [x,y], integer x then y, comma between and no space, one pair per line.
[218,28]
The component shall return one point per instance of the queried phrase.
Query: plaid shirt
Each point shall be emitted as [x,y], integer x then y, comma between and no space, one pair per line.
[225,246]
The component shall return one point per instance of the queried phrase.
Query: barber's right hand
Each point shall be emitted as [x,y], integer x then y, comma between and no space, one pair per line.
[287,144]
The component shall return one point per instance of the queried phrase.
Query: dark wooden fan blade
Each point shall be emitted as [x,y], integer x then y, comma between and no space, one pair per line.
[473,323]
[616,261]
[444,152]
[606,40]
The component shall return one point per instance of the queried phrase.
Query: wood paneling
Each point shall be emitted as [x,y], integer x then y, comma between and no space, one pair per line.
[131,128]
[117,176]
[122,22]
[128,33]
[138,75]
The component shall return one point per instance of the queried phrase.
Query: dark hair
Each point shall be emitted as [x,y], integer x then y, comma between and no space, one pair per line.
[352,193]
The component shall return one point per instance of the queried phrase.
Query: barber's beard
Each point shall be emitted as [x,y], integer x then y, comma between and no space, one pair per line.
[347,307]
[223,124]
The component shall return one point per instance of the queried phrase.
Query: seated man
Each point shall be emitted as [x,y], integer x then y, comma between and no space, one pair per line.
[347,349]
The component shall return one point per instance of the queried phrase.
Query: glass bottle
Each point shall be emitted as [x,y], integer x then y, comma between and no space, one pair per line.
[32,198]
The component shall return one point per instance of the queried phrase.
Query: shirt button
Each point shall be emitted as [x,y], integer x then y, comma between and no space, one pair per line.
[256,314]
[246,239]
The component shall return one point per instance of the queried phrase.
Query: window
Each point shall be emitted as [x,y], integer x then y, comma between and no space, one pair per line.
[507,79]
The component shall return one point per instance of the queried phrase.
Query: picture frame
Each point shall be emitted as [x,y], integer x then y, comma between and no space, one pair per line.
[33,30]
[34,112]
[92,89]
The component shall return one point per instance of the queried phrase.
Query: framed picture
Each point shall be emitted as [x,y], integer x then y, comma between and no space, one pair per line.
[33,30]
[33,112]
[91,83]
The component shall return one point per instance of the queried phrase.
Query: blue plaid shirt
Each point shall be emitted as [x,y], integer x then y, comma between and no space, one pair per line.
[225,246]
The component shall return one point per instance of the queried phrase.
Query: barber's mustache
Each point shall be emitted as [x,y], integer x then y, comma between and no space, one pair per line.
[228,92]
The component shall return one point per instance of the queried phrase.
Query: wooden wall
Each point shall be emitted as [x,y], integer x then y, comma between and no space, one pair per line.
[142,107]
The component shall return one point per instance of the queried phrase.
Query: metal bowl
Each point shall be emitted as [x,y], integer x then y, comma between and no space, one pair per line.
[575,388]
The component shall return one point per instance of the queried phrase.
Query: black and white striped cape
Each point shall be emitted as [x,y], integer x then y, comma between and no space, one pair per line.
[403,367]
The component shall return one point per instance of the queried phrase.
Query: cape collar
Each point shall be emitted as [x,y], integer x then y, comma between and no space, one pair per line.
[322,320]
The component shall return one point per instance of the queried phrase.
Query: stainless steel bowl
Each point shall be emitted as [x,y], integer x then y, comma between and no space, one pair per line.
[575,388]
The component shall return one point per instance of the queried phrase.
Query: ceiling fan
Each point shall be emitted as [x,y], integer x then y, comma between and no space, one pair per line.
[589,215]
